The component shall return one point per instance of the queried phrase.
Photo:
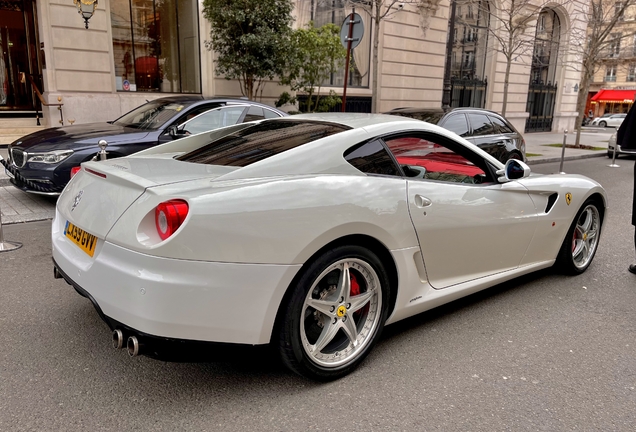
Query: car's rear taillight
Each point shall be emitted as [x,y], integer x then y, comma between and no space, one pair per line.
[169,216]
[75,170]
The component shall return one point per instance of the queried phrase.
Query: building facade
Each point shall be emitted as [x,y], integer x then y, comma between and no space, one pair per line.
[613,87]
[138,50]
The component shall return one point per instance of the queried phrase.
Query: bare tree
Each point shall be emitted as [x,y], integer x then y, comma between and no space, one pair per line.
[593,43]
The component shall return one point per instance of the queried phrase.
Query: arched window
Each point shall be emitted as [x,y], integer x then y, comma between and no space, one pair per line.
[470,39]
[546,47]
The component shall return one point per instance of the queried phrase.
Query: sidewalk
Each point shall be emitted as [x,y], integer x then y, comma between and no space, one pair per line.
[17,206]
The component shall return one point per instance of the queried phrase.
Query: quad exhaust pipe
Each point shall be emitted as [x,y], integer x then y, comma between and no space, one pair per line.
[118,339]
[133,345]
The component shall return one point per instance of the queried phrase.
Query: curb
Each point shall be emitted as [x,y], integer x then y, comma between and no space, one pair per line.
[567,158]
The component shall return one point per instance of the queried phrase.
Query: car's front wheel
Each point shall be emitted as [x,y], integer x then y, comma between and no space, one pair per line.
[581,241]
[602,124]
[335,313]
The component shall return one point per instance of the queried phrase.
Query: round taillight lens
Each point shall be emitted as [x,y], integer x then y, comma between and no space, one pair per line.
[169,216]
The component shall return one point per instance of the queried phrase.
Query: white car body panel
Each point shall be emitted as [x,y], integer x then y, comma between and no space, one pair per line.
[222,276]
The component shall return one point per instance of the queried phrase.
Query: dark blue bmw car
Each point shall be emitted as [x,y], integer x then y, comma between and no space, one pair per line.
[42,161]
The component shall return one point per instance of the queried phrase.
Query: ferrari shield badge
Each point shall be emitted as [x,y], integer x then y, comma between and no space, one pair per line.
[568,198]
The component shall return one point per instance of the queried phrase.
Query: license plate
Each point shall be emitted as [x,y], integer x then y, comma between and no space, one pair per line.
[81,238]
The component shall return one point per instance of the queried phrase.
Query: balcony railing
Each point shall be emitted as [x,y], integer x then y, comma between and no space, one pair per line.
[609,78]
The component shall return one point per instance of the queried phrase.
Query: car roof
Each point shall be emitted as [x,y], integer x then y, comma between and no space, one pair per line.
[352,120]
[193,99]
[414,110]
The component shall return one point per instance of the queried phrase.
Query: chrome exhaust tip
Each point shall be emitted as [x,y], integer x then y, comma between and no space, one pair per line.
[118,339]
[134,346]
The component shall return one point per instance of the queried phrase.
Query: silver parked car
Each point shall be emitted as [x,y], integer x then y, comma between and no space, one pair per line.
[613,120]
[619,151]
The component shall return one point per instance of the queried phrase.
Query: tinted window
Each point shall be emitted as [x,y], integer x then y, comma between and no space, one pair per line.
[254,113]
[500,125]
[457,123]
[481,124]
[214,119]
[260,141]
[432,117]
[270,114]
[427,159]
[371,158]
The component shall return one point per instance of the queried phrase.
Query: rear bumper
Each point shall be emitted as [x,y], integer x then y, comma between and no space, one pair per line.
[176,299]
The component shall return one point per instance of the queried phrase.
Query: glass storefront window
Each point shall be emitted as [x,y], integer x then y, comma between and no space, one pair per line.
[156,45]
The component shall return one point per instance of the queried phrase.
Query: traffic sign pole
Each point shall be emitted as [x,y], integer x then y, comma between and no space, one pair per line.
[346,77]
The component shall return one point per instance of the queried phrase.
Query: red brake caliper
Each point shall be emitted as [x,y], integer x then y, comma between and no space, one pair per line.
[355,286]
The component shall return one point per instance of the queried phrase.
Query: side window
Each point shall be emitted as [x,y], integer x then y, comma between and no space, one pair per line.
[457,123]
[195,112]
[371,158]
[254,113]
[481,124]
[270,114]
[426,159]
[500,125]
[214,119]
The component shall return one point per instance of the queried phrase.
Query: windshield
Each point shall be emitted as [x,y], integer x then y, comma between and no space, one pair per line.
[151,116]
[261,141]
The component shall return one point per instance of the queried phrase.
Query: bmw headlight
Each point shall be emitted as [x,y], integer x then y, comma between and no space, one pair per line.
[52,157]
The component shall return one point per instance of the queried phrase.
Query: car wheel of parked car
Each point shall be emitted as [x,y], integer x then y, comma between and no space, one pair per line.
[334,314]
[515,155]
[602,124]
[581,241]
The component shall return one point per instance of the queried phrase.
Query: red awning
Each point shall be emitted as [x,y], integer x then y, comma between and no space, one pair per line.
[616,96]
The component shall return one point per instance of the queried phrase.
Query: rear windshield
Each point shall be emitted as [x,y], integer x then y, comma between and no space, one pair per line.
[432,117]
[260,141]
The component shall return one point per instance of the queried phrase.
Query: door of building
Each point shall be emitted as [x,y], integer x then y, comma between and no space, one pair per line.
[19,55]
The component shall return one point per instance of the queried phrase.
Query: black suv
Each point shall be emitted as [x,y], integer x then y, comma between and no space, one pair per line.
[487,129]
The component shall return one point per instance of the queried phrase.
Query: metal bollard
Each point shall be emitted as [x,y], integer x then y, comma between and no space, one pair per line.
[6,246]
[565,138]
[613,164]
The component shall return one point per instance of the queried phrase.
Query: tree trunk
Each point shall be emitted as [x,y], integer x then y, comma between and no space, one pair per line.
[580,104]
[376,42]
[505,88]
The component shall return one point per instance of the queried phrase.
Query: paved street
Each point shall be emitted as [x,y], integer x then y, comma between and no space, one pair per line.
[545,352]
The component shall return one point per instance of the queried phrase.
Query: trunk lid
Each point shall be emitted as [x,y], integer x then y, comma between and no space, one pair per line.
[101,192]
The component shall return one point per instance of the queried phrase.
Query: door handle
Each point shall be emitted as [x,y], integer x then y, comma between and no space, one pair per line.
[421,201]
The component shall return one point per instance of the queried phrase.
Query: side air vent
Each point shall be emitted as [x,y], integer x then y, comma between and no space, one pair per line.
[551,200]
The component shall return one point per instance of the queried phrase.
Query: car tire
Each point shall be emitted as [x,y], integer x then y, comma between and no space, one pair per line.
[602,124]
[581,241]
[514,155]
[340,296]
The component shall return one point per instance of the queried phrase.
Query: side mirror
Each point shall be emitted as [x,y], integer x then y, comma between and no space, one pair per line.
[513,170]
[173,131]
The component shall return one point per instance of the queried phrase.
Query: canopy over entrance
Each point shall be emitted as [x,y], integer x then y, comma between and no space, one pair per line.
[614,96]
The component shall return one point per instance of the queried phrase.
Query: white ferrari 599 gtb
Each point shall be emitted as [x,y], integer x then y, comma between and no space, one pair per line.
[310,233]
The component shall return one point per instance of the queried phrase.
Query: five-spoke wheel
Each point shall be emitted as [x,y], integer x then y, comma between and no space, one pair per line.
[335,313]
[581,241]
